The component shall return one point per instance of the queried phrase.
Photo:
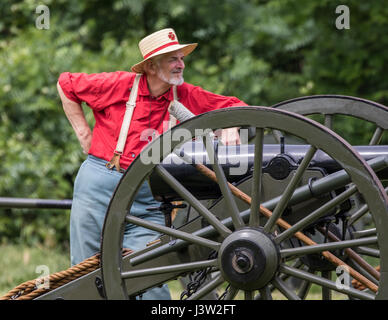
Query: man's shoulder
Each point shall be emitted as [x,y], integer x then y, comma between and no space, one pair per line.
[101,76]
[114,79]
[117,75]
[186,87]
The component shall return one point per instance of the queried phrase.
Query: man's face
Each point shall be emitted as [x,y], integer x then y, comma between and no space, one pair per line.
[170,67]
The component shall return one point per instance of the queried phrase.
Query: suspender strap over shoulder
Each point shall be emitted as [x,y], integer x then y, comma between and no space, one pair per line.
[130,107]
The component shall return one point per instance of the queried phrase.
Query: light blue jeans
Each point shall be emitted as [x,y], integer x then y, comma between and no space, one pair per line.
[93,189]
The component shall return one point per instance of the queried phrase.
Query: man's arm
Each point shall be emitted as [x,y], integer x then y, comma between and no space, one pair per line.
[76,117]
[200,101]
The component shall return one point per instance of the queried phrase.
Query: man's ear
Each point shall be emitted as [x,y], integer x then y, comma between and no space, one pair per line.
[150,67]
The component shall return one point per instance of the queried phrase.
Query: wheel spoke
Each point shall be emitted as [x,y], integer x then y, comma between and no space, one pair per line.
[300,251]
[278,135]
[376,136]
[326,292]
[284,289]
[265,294]
[197,205]
[288,192]
[324,282]
[248,295]
[304,288]
[369,252]
[210,286]
[364,233]
[358,214]
[183,267]
[254,217]
[232,293]
[173,232]
[318,213]
[328,122]
[223,183]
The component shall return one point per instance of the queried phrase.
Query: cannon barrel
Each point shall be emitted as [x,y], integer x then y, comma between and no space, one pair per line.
[237,163]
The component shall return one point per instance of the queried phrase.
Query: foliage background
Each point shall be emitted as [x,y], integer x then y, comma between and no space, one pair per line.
[261,51]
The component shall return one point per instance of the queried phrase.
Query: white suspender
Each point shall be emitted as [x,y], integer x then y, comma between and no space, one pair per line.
[130,107]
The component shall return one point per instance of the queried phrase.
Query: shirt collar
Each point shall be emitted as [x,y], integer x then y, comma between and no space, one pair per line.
[144,91]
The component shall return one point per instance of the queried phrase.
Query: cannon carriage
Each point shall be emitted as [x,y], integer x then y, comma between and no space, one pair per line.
[294,207]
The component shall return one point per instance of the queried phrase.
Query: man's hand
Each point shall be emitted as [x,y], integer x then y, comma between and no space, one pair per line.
[230,136]
[85,143]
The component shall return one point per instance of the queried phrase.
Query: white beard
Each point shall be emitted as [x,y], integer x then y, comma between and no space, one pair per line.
[171,80]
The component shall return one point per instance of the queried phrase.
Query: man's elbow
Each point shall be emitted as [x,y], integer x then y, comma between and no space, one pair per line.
[62,95]
[59,88]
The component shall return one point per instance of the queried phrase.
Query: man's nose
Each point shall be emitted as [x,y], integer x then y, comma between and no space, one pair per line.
[181,64]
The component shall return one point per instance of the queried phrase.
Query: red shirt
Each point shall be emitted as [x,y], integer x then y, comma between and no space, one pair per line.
[107,93]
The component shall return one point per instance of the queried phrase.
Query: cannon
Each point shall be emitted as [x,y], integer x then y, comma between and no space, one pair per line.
[265,218]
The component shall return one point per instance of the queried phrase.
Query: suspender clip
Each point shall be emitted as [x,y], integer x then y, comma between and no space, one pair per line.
[115,162]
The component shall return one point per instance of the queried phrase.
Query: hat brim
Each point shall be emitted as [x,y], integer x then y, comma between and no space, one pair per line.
[186,49]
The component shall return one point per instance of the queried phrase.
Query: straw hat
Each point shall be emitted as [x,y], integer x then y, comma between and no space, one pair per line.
[160,42]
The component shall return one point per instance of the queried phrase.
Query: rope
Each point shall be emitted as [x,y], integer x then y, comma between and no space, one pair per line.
[31,289]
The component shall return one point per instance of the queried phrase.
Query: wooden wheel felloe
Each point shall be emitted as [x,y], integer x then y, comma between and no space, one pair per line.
[329,107]
[248,243]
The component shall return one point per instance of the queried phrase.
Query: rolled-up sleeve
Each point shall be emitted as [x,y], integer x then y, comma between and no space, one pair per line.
[81,87]
[203,101]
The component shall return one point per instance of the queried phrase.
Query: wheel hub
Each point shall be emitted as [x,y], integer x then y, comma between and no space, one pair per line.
[242,261]
[248,259]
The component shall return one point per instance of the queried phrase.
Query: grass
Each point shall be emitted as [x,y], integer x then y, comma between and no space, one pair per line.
[20,263]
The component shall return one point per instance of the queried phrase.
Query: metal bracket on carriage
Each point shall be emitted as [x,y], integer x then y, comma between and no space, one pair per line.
[168,208]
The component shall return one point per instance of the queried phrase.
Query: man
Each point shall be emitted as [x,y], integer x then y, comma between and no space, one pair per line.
[106,94]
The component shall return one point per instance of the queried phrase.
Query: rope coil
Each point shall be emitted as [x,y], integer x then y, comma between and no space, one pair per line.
[30,290]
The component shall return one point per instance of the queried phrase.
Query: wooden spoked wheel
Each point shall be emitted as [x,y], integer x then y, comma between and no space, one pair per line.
[250,249]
